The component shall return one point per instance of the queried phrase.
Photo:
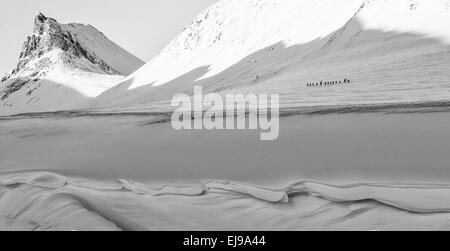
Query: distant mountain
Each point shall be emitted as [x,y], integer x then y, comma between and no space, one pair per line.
[391,50]
[61,67]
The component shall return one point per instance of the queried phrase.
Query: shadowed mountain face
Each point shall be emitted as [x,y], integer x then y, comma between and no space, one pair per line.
[65,65]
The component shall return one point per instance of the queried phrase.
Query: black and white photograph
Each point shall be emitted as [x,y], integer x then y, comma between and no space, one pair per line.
[225,116]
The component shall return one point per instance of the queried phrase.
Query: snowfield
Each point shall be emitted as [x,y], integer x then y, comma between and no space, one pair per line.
[86,143]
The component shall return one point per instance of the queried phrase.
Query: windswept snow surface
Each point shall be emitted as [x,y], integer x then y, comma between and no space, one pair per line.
[47,201]
[392,51]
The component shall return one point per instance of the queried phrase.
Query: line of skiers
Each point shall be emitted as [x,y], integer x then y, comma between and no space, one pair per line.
[328,83]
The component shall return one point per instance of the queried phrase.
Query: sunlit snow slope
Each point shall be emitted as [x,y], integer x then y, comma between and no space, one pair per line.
[391,50]
[61,67]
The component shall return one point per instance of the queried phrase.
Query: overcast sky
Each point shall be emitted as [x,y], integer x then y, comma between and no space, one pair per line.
[142,27]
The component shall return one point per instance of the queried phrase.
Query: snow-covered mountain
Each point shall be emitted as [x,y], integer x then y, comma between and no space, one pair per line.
[61,67]
[392,50]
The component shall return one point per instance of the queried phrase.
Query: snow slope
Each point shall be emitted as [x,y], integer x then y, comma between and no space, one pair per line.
[61,66]
[392,50]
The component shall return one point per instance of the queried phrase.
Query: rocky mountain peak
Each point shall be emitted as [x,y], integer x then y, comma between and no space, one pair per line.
[61,66]
[40,19]
[49,35]
[41,22]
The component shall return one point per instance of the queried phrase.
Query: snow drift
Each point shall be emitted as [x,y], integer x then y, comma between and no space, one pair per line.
[48,201]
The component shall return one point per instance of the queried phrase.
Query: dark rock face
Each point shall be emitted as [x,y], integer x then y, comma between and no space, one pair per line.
[5,78]
[15,86]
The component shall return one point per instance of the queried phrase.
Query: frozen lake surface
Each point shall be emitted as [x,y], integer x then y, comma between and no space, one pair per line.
[375,147]
[381,170]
